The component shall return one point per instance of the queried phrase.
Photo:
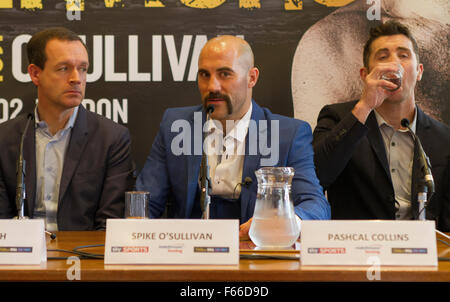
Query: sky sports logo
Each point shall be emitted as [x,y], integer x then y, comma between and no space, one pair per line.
[16,249]
[398,250]
[326,250]
[201,249]
[130,249]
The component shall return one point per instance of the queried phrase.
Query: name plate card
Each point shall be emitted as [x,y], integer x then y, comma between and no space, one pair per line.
[22,242]
[365,242]
[172,241]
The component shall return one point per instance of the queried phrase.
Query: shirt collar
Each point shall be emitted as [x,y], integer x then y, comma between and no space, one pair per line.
[381,121]
[239,131]
[43,124]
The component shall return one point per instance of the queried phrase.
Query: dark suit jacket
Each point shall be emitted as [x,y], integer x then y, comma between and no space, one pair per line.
[175,177]
[97,170]
[352,166]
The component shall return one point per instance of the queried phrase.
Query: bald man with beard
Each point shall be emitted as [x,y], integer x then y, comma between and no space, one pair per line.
[326,64]
[226,78]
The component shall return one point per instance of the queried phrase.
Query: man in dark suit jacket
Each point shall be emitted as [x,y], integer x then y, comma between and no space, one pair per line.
[365,159]
[226,77]
[78,164]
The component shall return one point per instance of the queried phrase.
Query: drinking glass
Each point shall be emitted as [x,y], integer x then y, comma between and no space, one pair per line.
[394,77]
[136,204]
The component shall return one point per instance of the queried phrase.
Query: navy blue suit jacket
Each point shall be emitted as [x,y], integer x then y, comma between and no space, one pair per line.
[175,177]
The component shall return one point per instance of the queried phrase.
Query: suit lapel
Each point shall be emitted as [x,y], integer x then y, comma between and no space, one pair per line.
[422,126]
[193,162]
[78,139]
[29,153]
[376,142]
[252,159]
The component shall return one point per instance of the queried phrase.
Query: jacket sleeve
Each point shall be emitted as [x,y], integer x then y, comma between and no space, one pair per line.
[335,138]
[444,217]
[7,207]
[154,177]
[119,178]
[307,194]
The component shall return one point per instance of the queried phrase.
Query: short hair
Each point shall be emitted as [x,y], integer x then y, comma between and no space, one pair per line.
[389,28]
[38,42]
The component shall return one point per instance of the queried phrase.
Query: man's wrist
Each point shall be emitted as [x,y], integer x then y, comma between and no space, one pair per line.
[361,111]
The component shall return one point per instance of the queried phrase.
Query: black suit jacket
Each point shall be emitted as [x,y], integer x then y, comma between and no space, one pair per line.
[97,170]
[352,166]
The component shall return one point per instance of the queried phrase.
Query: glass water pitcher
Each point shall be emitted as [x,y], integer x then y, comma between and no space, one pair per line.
[274,224]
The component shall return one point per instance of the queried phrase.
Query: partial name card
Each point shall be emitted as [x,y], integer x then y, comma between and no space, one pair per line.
[172,241]
[22,241]
[361,242]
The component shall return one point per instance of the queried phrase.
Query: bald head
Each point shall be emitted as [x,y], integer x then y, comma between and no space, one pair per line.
[226,77]
[242,50]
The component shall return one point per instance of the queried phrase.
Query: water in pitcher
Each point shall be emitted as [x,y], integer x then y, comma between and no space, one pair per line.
[273,231]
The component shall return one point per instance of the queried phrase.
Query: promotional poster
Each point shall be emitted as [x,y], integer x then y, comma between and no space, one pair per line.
[143,53]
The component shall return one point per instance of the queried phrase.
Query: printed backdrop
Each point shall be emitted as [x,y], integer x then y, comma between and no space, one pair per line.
[143,53]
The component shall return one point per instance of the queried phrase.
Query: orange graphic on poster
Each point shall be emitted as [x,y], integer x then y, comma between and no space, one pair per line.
[6,3]
[1,61]
[75,5]
[293,5]
[250,4]
[153,3]
[334,3]
[113,3]
[31,4]
[203,3]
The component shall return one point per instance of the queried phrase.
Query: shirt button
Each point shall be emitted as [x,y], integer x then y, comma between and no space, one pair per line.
[393,144]
[393,170]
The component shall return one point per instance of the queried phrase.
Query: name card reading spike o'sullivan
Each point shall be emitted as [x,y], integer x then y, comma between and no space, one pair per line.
[172,241]
[359,242]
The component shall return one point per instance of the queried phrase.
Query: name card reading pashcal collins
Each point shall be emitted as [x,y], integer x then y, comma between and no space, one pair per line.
[359,242]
